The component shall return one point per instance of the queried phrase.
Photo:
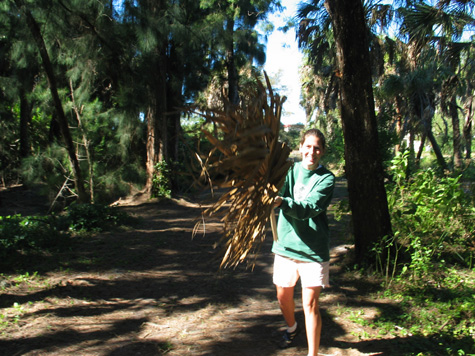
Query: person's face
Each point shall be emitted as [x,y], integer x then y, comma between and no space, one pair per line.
[311,151]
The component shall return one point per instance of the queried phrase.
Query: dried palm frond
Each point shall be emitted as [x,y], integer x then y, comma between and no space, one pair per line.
[252,164]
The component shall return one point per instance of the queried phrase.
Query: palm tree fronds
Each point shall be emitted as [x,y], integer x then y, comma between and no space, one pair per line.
[251,164]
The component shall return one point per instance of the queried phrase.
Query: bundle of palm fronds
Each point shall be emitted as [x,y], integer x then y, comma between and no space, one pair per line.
[251,163]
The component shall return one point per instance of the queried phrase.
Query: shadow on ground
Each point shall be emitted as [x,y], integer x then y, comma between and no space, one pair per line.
[156,290]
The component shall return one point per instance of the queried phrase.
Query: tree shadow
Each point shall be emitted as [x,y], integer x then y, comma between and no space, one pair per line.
[143,348]
[63,338]
[159,271]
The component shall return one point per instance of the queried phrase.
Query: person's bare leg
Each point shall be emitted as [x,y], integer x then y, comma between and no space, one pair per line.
[285,296]
[313,319]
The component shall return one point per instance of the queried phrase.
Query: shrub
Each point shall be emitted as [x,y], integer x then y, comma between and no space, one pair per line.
[29,233]
[161,181]
[432,215]
[428,263]
[93,217]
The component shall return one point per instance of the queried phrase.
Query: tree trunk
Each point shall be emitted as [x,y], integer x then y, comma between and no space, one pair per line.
[62,120]
[467,130]
[25,120]
[152,146]
[157,133]
[453,109]
[412,153]
[399,125]
[367,194]
[85,143]
[175,101]
[420,149]
[162,101]
[426,119]
[233,79]
[157,123]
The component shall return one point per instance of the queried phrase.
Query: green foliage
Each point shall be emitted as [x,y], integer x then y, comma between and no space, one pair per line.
[94,217]
[161,181]
[186,171]
[9,150]
[47,169]
[335,146]
[428,263]
[52,232]
[387,137]
[291,138]
[29,233]
[342,208]
[433,216]
[114,149]
[439,313]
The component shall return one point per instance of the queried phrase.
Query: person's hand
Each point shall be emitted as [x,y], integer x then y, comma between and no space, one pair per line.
[277,201]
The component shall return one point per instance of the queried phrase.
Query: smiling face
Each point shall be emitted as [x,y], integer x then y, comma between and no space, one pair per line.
[312,151]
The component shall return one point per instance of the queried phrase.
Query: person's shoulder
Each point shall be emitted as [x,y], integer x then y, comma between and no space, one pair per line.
[326,175]
[296,166]
[324,171]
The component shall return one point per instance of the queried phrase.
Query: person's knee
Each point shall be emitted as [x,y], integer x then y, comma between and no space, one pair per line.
[311,305]
[285,295]
[310,298]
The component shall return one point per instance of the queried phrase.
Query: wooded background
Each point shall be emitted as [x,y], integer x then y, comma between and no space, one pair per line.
[94,94]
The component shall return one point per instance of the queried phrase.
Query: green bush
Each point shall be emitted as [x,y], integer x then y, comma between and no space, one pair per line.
[161,181]
[433,216]
[93,217]
[29,233]
[428,262]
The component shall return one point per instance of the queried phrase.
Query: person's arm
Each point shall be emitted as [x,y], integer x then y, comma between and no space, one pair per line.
[284,191]
[315,203]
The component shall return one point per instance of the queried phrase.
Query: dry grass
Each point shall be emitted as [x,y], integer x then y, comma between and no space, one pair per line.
[248,159]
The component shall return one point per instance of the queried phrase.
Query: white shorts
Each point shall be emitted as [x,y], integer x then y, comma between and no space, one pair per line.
[312,274]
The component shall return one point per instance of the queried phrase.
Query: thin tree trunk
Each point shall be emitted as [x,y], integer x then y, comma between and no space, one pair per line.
[467,130]
[162,106]
[233,79]
[399,125]
[85,143]
[175,103]
[426,120]
[25,120]
[367,194]
[412,154]
[437,150]
[453,109]
[157,135]
[62,120]
[421,149]
[157,124]
[151,146]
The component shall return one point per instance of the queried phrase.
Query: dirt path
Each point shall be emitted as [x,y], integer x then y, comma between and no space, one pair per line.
[154,290]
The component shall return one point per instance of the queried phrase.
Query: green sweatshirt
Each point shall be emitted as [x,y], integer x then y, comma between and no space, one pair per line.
[302,228]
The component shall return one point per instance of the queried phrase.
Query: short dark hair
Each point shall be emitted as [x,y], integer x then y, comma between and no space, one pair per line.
[316,133]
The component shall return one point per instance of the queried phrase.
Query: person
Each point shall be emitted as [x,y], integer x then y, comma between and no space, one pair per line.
[302,246]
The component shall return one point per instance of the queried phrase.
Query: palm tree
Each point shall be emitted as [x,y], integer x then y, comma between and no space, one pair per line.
[368,201]
[319,78]
[316,39]
[418,27]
